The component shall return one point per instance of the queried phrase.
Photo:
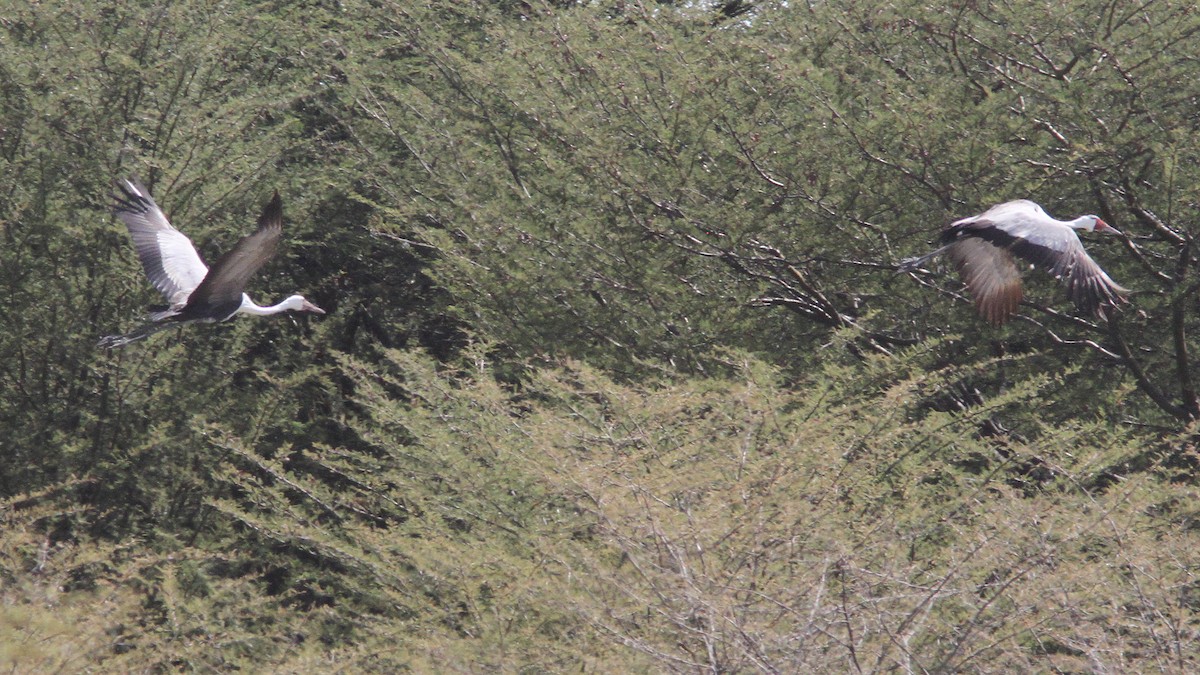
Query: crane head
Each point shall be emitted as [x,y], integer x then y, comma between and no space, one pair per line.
[298,303]
[1095,224]
[306,306]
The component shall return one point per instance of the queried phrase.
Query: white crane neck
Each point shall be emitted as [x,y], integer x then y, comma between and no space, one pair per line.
[250,307]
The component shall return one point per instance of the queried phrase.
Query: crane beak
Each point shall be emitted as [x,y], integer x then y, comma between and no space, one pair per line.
[309,307]
[1104,227]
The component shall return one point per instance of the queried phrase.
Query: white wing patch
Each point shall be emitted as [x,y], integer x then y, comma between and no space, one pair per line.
[170,260]
[180,264]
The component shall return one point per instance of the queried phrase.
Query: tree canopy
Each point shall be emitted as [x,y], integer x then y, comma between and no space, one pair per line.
[618,373]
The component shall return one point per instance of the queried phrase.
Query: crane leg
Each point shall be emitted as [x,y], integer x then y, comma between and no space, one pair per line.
[114,341]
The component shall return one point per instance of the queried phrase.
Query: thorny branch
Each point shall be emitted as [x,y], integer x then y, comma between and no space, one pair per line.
[1144,383]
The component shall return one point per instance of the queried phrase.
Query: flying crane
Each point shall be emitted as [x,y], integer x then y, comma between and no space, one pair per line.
[982,249]
[194,292]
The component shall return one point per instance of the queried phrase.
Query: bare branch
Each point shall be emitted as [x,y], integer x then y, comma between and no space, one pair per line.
[1144,383]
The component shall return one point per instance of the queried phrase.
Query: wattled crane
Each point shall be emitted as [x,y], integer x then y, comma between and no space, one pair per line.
[982,249]
[194,291]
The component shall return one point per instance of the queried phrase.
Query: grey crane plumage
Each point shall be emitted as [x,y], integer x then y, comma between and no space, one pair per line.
[982,248]
[194,292]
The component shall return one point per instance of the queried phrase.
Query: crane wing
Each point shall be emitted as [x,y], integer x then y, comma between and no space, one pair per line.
[1088,286]
[227,279]
[169,258]
[990,276]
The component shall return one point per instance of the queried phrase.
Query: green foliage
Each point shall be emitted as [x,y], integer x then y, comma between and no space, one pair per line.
[730,523]
[211,105]
[644,188]
[618,375]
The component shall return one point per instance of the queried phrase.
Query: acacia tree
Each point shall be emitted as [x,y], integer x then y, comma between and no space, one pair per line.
[648,184]
[1054,102]
[607,192]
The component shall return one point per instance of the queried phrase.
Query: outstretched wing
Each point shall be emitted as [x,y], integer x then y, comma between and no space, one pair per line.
[226,281]
[169,258]
[991,278]
[1088,286]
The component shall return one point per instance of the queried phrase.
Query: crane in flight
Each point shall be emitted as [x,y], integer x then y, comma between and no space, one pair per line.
[195,292]
[982,248]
